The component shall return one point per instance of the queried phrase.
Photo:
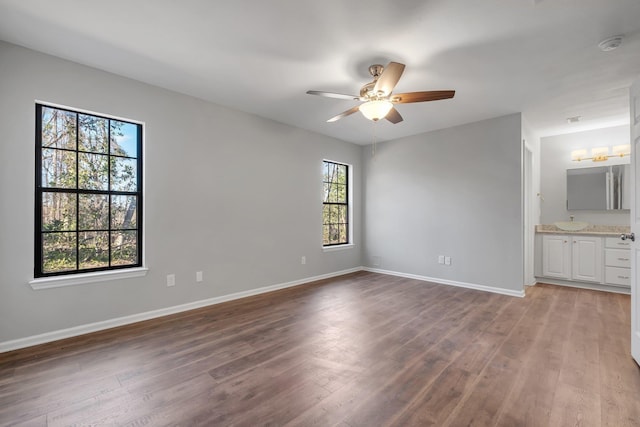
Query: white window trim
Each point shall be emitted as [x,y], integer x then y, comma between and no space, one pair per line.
[84,278]
[333,248]
[343,246]
[105,275]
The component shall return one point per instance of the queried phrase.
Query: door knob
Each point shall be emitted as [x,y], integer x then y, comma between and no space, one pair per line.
[630,236]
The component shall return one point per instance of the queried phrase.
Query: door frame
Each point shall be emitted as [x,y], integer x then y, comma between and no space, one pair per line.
[634,110]
[528,226]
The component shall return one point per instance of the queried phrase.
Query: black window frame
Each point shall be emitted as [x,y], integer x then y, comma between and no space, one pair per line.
[346,203]
[40,189]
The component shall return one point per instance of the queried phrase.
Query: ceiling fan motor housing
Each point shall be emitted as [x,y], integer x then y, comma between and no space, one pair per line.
[375,70]
[366,91]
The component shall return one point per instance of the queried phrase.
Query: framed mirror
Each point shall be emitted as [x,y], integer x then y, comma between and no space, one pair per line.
[602,188]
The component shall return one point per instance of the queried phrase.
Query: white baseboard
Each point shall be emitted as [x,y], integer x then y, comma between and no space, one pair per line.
[121,321]
[585,285]
[509,292]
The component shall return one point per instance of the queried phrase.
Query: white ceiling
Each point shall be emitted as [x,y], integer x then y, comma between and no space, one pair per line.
[539,57]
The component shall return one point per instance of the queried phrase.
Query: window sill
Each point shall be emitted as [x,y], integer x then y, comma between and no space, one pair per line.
[337,247]
[83,279]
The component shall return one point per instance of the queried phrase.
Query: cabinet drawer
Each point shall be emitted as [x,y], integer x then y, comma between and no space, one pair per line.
[617,258]
[616,243]
[617,276]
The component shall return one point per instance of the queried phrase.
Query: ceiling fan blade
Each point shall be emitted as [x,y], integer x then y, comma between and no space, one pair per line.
[393,116]
[344,114]
[434,95]
[389,78]
[333,95]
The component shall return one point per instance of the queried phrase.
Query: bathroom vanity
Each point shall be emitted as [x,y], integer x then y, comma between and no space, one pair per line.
[594,257]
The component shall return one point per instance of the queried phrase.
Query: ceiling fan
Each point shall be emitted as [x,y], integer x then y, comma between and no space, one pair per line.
[378,101]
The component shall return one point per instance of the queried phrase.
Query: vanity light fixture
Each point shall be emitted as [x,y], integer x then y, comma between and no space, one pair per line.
[579,155]
[601,154]
[622,150]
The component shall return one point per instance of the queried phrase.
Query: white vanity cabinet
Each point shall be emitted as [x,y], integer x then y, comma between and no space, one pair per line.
[572,257]
[556,256]
[617,262]
[586,257]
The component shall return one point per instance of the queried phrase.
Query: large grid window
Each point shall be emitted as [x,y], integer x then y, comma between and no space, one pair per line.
[88,207]
[335,207]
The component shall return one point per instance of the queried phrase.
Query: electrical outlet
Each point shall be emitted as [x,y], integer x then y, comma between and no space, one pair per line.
[198,276]
[171,279]
[447,260]
[303,260]
[440,259]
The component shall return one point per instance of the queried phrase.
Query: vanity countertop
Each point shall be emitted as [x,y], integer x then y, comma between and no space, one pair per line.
[597,230]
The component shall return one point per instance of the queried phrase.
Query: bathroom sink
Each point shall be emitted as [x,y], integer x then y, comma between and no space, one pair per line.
[571,225]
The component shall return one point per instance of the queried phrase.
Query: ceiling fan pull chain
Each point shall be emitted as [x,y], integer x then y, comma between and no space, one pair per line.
[375,139]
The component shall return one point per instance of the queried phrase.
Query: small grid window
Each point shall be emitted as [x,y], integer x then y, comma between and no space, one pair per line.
[88,193]
[335,207]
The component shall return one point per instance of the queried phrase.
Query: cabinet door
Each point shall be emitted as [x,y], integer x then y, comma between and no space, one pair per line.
[586,258]
[556,256]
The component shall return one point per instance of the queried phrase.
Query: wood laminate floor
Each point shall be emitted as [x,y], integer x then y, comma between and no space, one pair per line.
[358,350]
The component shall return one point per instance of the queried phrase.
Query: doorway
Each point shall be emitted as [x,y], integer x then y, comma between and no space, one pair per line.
[528,223]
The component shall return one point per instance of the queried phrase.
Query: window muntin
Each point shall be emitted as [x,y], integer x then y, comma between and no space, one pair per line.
[335,206]
[88,214]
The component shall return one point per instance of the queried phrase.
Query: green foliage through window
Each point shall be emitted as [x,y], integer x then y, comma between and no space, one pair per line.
[335,206]
[88,192]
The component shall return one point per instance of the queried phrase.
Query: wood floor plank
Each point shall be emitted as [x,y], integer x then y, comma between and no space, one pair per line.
[439,398]
[531,399]
[19,406]
[481,405]
[574,406]
[618,371]
[364,349]
[346,400]
[620,408]
[400,389]
[123,407]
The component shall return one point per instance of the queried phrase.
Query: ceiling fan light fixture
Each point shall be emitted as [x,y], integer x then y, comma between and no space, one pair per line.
[376,110]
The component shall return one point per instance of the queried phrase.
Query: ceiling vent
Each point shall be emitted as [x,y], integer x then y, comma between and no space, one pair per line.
[610,44]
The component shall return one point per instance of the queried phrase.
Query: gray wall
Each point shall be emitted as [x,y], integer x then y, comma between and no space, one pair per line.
[556,159]
[238,197]
[233,195]
[454,192]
